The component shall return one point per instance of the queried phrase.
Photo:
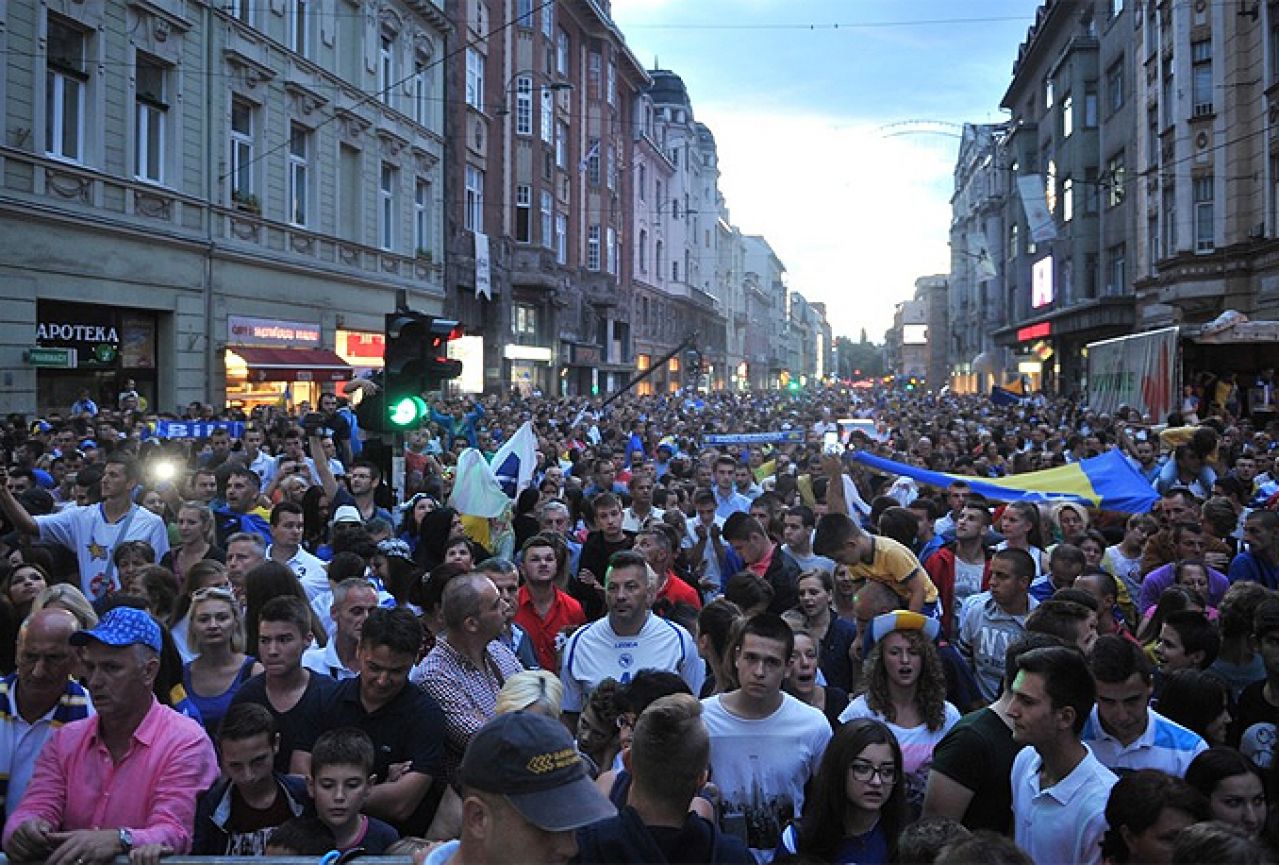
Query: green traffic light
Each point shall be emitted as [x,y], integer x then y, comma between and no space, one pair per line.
[407,411]
[793,386]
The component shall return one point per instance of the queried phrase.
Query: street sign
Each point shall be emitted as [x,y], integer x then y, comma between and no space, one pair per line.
[57,358]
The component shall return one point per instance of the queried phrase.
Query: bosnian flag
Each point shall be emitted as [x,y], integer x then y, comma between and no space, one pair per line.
[516,460]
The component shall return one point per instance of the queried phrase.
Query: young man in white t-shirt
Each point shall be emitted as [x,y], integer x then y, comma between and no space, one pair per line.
[765,744]
[629,639]
[93,532]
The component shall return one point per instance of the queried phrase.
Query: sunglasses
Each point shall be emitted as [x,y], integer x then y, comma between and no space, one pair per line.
[217,593]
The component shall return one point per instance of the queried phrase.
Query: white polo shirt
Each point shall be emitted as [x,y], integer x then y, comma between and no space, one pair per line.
[1064,823]
[595,653]
[325,661]
[311,571]
[1165,745]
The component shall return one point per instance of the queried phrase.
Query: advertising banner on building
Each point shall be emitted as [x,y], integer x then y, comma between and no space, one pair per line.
[483,278]
[1039,218]
[1140,371]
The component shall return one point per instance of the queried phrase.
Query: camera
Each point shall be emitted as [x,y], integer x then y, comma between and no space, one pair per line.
[315,424]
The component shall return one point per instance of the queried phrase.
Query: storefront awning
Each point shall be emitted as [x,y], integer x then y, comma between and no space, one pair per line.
[286,364]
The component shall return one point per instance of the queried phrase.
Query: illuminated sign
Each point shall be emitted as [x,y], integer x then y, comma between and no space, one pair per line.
[914,334]
[1041,282]
[1035,331]
[244,330]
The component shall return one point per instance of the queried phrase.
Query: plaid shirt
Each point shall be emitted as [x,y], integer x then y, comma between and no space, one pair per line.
[467,694]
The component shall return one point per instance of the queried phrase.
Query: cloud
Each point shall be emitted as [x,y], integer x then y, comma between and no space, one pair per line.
[855,216]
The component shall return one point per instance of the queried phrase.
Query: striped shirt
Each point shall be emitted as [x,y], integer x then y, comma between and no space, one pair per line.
[20,742]
[1164,745]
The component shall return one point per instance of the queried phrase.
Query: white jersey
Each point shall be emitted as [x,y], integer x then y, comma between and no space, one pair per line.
[761,767]
[85,531]
[310,570]
[595,653]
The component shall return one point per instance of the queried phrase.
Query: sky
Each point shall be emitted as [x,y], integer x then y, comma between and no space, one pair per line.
[837,124]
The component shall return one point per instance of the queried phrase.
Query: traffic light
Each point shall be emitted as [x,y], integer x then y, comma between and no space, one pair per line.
[439,366]
[405,371]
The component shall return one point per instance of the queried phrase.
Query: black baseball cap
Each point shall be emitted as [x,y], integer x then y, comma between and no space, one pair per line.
[532,761]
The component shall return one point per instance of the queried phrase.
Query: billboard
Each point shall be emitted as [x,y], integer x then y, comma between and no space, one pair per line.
[914,334]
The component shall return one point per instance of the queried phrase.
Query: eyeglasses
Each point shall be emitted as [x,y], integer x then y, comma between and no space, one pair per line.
[864,771]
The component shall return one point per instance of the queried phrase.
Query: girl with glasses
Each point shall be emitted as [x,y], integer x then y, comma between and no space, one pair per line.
[857,805]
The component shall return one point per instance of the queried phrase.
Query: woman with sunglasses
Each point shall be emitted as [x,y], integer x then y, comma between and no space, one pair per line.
[215,632]
[857,805]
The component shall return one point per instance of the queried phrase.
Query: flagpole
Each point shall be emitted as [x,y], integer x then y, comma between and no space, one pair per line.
[654,367]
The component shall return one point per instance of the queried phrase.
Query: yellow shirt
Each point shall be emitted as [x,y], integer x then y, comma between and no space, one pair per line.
[894,565]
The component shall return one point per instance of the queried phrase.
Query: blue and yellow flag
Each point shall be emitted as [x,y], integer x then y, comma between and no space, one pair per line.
[1107,482]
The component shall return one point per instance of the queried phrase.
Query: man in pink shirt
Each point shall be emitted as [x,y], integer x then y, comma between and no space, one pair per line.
[124,782]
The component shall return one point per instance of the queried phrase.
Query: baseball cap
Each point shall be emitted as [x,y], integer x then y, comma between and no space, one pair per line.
[122,626]
[532,761]
[347,514]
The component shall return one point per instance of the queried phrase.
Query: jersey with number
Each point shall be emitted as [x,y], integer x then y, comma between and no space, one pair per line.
[85,530]
[596,652]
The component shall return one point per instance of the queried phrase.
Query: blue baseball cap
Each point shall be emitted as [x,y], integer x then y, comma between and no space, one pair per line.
[123,626]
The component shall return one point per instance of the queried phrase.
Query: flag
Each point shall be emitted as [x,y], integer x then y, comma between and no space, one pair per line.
[516,460]
[1038,218]
[590,154]
[476,492]
[1108,482]
[483,278]
[1003,396]
[979,250]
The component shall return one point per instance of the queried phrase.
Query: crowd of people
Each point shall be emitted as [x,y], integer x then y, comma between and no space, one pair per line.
[700,632]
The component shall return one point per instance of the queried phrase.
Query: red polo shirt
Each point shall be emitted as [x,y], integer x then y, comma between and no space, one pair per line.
[565,613]
[679,592]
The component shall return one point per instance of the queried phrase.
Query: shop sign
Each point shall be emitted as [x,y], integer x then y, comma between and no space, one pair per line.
[58,358]
[92,331]
[586,355]
[539,354]
[1035,331]
[361,348]
[244,330]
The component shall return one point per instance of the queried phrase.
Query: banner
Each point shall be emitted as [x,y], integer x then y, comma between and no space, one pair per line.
[1139,371]
[196,429]
[979,251]
[1038,218]
[1004,397]
[483,281]
[1108,482]
[795,436]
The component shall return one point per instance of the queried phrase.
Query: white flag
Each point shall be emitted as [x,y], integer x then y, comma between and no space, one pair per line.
[980,252]
[1039,219]
[516,459]
[483,281]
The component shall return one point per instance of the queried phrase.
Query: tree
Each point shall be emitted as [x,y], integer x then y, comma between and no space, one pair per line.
[864,356]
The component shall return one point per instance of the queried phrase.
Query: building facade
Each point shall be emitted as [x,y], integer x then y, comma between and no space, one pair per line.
[216,202]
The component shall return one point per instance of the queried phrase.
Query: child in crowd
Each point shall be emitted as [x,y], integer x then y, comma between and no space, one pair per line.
[340,782]
[301,836]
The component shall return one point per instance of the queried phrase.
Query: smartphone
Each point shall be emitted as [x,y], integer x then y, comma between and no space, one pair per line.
[831,444]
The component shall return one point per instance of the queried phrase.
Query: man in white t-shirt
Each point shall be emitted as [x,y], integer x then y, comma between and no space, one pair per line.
[286,548]
[1059,788]
[765,744]
[93,532]
[629,639]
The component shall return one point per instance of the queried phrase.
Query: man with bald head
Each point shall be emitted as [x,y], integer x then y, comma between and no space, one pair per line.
[37,699]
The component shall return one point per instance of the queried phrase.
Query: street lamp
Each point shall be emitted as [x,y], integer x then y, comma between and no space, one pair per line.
[553,86]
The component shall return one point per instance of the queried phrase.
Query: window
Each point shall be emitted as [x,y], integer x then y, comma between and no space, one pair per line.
[547,215]
[610,250]
[523,105]
[641,180]
[1013,241]
[1274,53]
[548,114]
[610,173]
[385,68]
[524,319]
[1201,76]
[1152,137]
[299,160]
[561,53]
[1116,270]
[1204,230]
[387,179]
[474,79]
[242,9]
[1067,115]
[561,239]
[1067,199]
[1115,86]
[675,270]
[241,172]
[1114,181]
[593,248]
[422,91]
[1048,93]
[65,83]
[1091,190]
[151,110]
[1169,91]
[643,254]
[297,12]
[1116,6]
[659,259]
[548,20]
[523,213]
[422,216]
[593,162]
[610,92]
[524,13]
[1090,106]
[674,208]
[1169,217]
[561,144]
[473,216]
